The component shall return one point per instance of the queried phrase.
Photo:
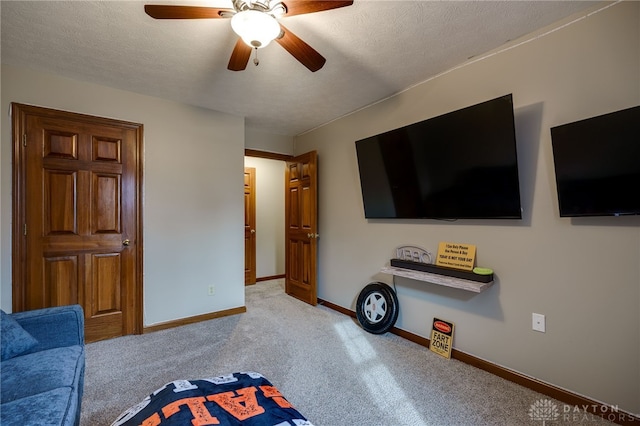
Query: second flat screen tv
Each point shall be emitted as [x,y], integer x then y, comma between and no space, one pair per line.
[460,165]
[597,165]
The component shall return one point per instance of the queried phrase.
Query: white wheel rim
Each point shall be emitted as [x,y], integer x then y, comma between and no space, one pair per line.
[375,307]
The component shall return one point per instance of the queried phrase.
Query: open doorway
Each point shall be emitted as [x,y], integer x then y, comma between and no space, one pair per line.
[269,214]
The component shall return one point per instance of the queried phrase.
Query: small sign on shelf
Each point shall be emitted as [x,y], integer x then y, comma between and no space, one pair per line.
[414,254]
[455,255]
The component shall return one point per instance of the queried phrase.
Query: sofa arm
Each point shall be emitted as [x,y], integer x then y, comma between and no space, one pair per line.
[53,327]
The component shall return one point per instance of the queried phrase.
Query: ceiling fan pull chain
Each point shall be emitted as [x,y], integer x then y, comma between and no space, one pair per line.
[256,61]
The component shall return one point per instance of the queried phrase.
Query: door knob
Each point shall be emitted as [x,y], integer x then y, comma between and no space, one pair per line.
[253,231]
[126,242]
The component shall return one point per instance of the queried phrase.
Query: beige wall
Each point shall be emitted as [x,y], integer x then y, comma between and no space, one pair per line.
[269,215]
[268,142]
[583,274]
[192,191]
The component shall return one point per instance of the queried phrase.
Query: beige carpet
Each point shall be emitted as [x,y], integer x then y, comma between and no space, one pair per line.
[330,369]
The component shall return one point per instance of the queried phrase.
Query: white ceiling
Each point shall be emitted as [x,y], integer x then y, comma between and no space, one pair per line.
[373,48]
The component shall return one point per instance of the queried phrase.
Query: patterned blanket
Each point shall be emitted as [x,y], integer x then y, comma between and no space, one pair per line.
[236,399]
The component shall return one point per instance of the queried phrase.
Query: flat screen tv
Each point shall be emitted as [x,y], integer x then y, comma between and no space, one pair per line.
[460,165]
[597,165]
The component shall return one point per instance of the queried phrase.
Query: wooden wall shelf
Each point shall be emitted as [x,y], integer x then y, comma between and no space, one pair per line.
[474,286]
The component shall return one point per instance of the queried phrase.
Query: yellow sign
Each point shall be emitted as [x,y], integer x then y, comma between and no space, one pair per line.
[458,256]
[441,341]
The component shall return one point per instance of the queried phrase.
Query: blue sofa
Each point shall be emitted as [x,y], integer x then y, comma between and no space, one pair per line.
[42,366]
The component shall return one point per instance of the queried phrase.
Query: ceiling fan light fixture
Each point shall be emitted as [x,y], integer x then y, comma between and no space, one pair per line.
[257,29]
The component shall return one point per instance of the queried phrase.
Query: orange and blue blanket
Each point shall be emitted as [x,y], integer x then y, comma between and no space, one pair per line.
[247,399]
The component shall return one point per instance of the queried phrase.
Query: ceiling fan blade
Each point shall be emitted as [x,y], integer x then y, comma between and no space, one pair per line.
[162,11]
[299,7]
[240,56]
[300,50]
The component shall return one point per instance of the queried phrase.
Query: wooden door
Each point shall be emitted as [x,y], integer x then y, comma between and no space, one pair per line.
[77,217]
[249,225]
[301,227]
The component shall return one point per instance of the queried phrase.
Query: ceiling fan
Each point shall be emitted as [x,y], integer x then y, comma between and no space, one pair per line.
[256,23]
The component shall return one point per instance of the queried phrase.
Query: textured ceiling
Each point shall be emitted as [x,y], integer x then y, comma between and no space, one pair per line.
[374,49]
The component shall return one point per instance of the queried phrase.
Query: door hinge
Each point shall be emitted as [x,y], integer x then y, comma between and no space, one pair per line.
[24,229]
[24,139]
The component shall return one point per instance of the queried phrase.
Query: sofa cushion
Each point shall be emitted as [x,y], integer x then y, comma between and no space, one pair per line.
[53,327]
[41,372]
[54,407]
[15,339]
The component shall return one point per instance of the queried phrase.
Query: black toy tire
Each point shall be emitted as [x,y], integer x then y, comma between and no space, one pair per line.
[377,308]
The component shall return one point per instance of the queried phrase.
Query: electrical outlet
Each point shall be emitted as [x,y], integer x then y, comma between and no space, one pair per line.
[538,322]
[212,289]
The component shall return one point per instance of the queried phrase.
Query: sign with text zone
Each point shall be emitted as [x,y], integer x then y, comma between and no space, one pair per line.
[441,337]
